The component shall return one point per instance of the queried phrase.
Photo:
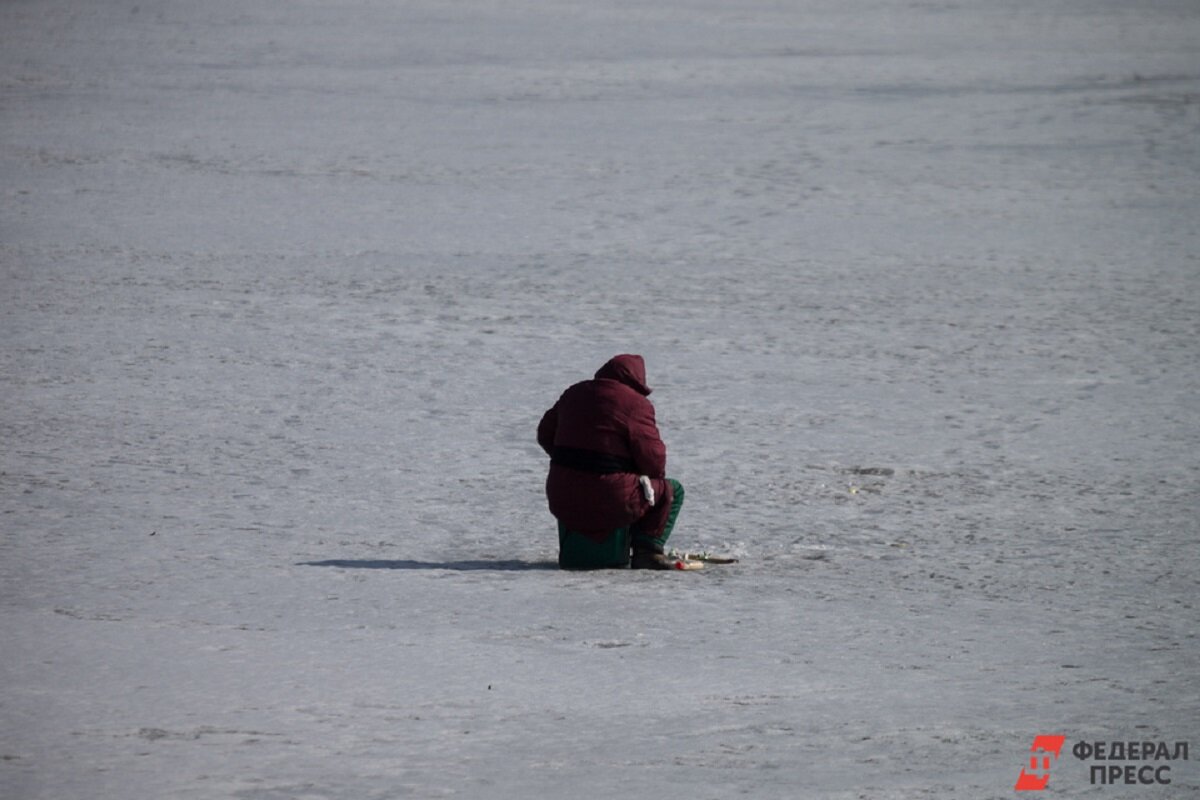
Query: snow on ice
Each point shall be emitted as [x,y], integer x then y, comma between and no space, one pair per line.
[286,286]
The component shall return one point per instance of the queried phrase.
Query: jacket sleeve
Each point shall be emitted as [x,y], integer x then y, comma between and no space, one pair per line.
[547,428]
[645,445]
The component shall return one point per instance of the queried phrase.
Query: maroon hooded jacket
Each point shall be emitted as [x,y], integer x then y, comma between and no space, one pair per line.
[601,435]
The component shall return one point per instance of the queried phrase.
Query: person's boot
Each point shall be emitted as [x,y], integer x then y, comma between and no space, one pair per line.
[649,559]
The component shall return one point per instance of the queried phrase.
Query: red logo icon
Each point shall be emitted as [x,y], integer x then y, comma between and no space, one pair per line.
[1043,753]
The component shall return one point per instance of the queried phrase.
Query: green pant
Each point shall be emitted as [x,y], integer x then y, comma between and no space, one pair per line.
[649,534]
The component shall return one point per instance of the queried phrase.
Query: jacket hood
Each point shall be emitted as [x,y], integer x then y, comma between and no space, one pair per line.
[628,369]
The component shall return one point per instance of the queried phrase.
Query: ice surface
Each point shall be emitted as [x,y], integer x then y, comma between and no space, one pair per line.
[286,286]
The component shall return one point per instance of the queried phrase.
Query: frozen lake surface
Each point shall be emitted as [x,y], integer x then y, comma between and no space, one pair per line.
[285,287]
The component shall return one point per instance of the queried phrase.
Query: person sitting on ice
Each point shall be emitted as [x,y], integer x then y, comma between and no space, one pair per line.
[608,463]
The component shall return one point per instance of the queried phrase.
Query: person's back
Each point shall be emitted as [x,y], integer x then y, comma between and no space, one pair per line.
[611,415]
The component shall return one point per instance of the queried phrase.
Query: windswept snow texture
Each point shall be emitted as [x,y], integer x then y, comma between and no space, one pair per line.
[286,286]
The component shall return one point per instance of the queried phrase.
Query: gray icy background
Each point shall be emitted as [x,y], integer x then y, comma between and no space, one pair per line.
[285,286]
